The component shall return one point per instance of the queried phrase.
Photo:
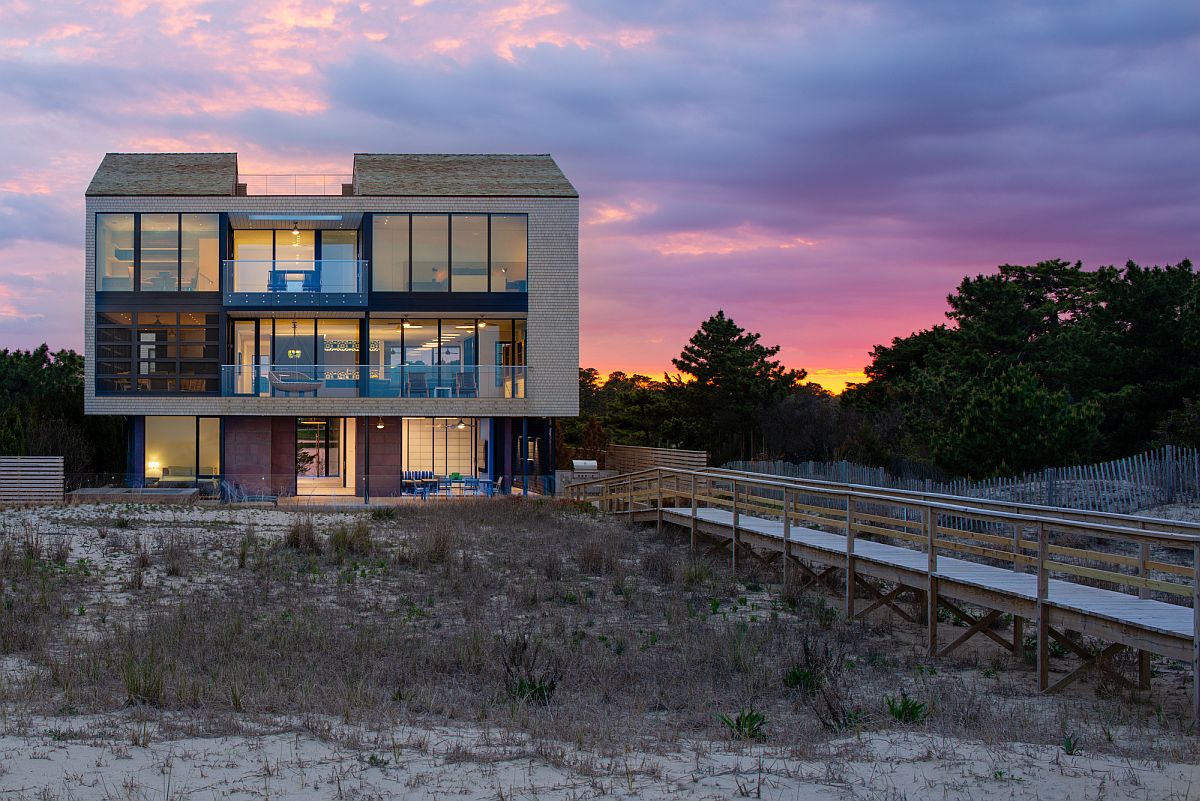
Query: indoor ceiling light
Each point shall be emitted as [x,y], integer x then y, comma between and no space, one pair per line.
[295,229]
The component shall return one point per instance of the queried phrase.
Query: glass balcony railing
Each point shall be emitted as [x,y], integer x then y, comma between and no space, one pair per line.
[315,282]
[372,381]
[294,184]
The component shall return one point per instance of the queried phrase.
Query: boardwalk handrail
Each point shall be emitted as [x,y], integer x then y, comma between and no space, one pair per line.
[974,537]
[904,497]
[984,503]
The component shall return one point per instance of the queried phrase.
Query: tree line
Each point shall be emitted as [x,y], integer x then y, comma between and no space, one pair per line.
[1037,366]
[41,413]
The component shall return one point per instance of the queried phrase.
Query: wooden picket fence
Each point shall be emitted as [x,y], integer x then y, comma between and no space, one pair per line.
[1155,478]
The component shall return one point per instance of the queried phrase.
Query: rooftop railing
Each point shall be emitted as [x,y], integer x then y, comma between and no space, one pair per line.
[312,282]
[373,381]
[294,184]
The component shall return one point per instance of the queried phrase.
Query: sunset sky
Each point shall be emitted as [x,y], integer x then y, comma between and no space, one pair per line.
[824,172]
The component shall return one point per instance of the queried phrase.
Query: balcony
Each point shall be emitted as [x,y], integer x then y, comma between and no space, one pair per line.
[373,381]
[274,284]
[295,184]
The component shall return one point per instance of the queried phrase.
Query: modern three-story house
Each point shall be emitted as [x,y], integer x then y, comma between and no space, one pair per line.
[333,335]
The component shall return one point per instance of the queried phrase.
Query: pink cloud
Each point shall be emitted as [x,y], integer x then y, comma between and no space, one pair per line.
[741,239]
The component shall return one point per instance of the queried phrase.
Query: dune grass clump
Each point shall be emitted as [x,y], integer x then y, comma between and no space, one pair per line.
[302,537]
[350,540]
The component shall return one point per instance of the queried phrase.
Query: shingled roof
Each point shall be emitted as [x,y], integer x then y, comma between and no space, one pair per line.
[186,174]
[459,175]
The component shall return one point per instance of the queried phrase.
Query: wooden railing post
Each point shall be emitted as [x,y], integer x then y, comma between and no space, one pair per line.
[1143,656]
[787,533]
[849,557]
[1018,621]
[629,496]
[693,542]
[733,545]
[1043,611]
[1196,633]
[931,570]
[659,482]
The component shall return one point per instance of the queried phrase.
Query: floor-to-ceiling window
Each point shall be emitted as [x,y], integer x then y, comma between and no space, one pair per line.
[114,252]
[337,355]
[389,253]
[449,252]
[157,352]
[469,253]
[182,450]
[339,265]
[444,445]
[430,252]
[158,252]
[510,252]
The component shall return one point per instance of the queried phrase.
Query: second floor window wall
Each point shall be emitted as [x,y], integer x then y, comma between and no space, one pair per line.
[273,260]
[161,252]
[449,253]
[156,352]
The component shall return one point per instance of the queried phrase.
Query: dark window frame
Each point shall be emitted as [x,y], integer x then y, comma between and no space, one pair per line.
[367,239]
[136,287]
[106,382]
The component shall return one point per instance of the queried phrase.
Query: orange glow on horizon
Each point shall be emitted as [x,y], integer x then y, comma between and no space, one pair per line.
[833,379]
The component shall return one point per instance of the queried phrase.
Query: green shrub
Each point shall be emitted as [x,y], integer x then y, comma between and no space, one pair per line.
[746,725]
[807,680]
[907,710]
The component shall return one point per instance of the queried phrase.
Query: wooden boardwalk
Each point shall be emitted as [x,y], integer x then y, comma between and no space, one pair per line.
[1096,585]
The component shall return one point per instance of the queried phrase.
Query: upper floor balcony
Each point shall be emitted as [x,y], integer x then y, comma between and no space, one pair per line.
[373,381]
[314,282]
[295,184]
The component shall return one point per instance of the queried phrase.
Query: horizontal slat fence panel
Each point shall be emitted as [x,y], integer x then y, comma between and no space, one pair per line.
[631,458]
[31,479]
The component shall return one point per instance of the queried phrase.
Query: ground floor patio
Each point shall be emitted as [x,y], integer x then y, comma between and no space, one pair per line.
[358,459]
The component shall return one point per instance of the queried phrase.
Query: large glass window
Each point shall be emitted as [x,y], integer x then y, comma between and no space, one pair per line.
[159,253]
[385,354]
[469,253]
[295,342]
[430,243]
[114,252]
[254,252]
[158,352]
[199,254]
[510,249]
[174,252]
[389,265]
[442,445]
[337,341]
[339,268]
[182,451]
[252,245]
[458,252]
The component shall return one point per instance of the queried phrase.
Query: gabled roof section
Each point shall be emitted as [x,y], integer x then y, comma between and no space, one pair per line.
[165,174]
[459,175]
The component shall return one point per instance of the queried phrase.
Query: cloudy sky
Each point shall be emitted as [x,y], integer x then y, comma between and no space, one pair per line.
[824,171]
